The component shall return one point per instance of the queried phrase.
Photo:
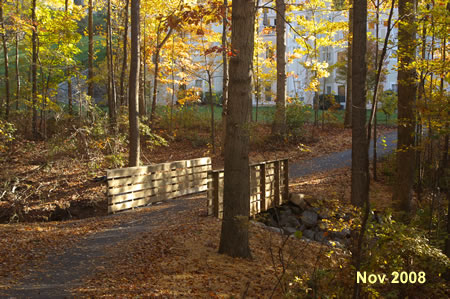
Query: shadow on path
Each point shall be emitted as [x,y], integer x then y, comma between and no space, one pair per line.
[66,271]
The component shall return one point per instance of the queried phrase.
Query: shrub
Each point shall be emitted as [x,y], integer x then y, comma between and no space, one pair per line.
[7,132]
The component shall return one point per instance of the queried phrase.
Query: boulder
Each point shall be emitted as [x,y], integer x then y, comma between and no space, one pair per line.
[309,218]
[309,234]
[287,221]
[320,237]
[298,200]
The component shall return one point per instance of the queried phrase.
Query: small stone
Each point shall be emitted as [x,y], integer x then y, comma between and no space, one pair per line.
[309,234]
[320,237]
[298,200]
[309,218]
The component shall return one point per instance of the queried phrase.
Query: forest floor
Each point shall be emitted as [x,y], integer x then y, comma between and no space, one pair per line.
[125,255]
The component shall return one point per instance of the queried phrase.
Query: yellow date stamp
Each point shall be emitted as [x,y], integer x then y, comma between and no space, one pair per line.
[396,277]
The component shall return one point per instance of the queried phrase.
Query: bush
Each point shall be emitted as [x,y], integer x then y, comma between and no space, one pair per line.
[296,116]
[394,246]
[7,131]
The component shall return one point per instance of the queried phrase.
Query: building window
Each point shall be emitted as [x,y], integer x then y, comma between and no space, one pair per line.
[268,93]
[198,83]
[328,89]
[265,18]
[341,56]
[395,87]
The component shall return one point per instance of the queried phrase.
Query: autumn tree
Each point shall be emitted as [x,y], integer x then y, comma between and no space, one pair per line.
[6,61]
[236,203]
[360,156]
[406,100]
[133,101]
[34,29]
[91,49]
[348,98]
[279,124]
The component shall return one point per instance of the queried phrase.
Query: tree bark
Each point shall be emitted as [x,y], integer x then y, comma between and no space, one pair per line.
[90,50]
[125,55]
[134,154]
[360,155]
[155,82]
[17,62]
[279,124]
[406,102]
[68,72]
[348,100]
[236,204]
[34,69]
[224,69]
[111,80]
[6,61]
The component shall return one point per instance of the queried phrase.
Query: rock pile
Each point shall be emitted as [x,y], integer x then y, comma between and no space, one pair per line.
[299,215]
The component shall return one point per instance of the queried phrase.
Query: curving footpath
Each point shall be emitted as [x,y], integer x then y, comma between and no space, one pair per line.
[66,271]
[341,159]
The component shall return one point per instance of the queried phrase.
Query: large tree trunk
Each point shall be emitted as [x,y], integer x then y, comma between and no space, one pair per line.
[279,124]
[224,69]
[348,100]
[236,203]
[34,69]
[125,55]
[6,61]
[360,155]
[90,51]
[406,101]
[133,84]
[360,143]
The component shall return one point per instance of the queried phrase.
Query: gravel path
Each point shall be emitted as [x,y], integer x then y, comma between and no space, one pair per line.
[340,159]
[66,271]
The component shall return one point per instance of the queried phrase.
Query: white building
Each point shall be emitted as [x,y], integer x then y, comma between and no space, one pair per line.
[298,76]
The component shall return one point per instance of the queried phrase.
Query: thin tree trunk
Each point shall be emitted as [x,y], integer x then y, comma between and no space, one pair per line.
[125,55]
[112,89]
[224,70]
[406,101]
[348,102]
[68,72]
[17,60]
[141,90]
[213,133]
[34,69]
[133,84]
[236,202]
[90,51]
[155,82]
[6,61]
[279,124]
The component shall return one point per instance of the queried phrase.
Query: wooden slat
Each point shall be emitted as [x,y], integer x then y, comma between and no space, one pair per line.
[198,161]
[285,180]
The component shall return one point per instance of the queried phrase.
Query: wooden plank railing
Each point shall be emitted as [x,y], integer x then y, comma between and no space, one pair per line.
[133,187]
[269,187]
